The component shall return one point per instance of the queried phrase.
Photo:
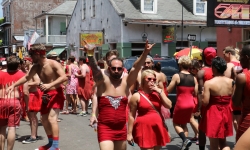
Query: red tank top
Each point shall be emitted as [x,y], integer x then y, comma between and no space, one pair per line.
[208,74]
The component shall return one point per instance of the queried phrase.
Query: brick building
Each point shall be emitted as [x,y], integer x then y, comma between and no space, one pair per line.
[19,20]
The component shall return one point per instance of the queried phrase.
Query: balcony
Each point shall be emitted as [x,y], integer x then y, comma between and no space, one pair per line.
[52,39]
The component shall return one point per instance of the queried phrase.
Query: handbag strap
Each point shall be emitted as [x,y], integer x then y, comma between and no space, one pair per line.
[149,102]
[154,109]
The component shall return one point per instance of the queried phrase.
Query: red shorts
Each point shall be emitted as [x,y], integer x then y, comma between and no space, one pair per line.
[56,100]
[35,101]
[10,112]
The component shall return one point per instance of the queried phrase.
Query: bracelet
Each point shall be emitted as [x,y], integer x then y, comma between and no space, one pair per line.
[93,115]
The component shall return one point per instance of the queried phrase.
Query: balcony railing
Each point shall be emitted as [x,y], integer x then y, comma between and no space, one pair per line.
[52,39]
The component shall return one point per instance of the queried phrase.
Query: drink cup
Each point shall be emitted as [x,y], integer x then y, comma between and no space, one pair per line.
[90,49]
[95,127]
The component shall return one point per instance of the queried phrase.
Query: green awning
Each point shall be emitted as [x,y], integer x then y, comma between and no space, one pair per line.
[58,50]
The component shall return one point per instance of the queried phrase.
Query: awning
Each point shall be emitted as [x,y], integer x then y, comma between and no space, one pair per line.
[18,38]
[57,50]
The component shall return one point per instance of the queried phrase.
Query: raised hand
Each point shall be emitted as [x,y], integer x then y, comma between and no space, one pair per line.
[148,46]
[88,48]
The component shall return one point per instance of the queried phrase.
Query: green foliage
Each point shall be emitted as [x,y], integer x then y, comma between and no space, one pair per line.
[1,20]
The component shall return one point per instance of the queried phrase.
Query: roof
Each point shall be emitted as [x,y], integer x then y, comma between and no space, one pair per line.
[169,13]
[65,9]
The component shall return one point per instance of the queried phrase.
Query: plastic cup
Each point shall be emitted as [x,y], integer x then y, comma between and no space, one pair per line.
[95,127]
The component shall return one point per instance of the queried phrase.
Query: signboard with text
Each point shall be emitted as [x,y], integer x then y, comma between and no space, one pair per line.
[228,13]
[168,34]
[91,38]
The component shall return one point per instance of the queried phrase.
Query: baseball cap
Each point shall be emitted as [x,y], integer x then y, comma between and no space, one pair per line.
[209,54]
[148,56]
[53,54]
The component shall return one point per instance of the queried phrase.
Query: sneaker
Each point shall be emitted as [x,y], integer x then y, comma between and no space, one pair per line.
[82,114]
[29,140]
[186,144]
[194,139]
[197,142]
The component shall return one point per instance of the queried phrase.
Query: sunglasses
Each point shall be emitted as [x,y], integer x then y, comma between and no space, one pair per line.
[147,62]
[116,68]
[151,79]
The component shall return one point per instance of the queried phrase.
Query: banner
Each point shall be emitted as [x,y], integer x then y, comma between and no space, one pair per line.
[228,13]
[168,34]
[91,38]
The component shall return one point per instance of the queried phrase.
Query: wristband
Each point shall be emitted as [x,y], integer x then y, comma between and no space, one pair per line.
[93,115]
[90,53]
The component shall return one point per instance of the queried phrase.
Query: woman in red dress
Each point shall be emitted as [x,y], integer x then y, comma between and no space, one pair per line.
[186,87]
[148,130]
[217,99]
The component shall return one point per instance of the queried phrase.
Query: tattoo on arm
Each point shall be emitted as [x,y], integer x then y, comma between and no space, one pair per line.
[97,73]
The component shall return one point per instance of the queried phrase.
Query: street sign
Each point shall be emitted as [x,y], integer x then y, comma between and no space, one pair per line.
[191,37]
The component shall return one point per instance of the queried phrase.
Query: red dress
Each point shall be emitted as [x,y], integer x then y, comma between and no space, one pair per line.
[218,118]
[148,129]
[244,123]
[185,100]
[232,106]
[84,88]
[112,118]
[208,74]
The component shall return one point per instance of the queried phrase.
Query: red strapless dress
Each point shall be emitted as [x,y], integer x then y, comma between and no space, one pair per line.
[149,130]
[218,118]
[112,118]
[244,123]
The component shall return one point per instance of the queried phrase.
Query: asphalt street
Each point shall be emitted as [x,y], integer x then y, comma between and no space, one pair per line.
[75,134]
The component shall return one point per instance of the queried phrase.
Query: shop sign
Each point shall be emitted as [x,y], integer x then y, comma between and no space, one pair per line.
[91,38]
[168,34]
[228,13]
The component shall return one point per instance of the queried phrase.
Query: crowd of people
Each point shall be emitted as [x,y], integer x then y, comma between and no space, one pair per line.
[129,107]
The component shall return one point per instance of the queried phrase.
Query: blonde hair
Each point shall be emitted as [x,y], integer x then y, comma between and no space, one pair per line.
[237,51]
[145,73]
[185,62]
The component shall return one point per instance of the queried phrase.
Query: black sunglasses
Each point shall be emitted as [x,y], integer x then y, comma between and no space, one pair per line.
[116,68]
[151,79]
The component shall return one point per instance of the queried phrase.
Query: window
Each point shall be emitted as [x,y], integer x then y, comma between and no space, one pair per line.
[200,7]
[149,6]
[93,9]
[83,9]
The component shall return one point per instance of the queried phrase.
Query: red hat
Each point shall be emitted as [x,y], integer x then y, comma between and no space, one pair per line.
[27,58]
[209,54]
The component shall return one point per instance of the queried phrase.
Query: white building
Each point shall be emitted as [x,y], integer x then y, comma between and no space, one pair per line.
[125,24]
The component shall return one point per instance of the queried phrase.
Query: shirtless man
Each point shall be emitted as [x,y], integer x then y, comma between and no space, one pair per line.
[232,63]
[148,64]
[112,91]
[241,95]
[33,102]
[84,88]
[203,75]
[10,106]
[52,75]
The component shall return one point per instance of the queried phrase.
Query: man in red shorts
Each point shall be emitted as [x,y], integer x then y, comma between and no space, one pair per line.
[112,92]
[33,102]
[203,75]
[52,76]
[10,107]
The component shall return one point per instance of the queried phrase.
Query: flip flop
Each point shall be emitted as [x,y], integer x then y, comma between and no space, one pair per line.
[65,112]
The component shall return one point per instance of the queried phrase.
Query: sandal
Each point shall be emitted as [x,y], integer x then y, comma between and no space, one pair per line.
[65,112]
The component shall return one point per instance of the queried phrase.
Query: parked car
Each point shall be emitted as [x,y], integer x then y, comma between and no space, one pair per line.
[168,66]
